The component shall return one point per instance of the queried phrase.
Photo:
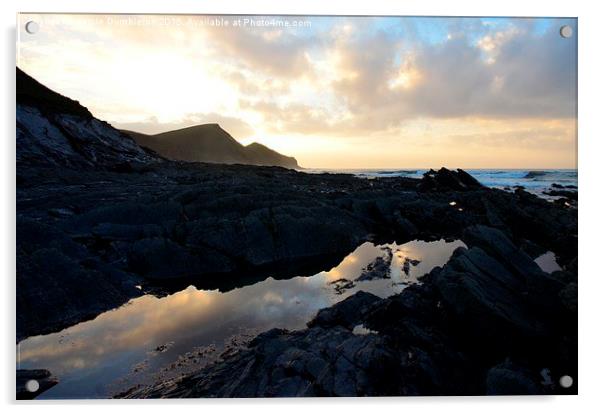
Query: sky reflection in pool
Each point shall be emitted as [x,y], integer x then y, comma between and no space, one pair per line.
[151,337]
[547,262]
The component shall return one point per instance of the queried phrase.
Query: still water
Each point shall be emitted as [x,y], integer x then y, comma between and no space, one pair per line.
[153,338]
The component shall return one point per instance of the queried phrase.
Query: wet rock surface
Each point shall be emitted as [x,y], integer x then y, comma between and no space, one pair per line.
[380,268]
[475,326]
[447,180]
[208,224]
[407,263]
[570,195]
[510,379]
[341,285]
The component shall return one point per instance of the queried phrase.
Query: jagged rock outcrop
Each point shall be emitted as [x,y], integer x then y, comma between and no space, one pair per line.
[54,130]
[446,180]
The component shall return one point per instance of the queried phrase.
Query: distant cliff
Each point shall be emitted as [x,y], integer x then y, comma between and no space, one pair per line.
[210,143]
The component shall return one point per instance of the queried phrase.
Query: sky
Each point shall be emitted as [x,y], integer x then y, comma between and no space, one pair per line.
[334,92]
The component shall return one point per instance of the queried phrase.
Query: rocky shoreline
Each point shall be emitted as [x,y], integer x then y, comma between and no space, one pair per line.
[101,220]
[488,322]
[90,240]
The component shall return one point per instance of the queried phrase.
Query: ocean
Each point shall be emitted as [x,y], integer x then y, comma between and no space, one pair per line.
[533,180]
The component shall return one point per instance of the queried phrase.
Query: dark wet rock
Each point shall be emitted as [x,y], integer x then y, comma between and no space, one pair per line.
[161,258]
[60,282]
[212,224]
[407,263]
[319,361]
[379,268]
[508,379]
[499,290]
[534,174]
[569,195]
[568,296]
[565,276]
[43,381]
[530,278]
[341,285]
[565,203]
[493,214]
[113,232]
[487,295]
[346,313]
[163,347]
[446,180]
[314,362]
[532,249]
[444,336]
[558,186]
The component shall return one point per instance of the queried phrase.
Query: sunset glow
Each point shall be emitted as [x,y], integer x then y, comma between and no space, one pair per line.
[334,92]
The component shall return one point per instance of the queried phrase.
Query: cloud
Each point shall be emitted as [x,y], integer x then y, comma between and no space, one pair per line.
[381,81]
[530,75]
[151,125]
[343,78]
[376,75]
[266,51]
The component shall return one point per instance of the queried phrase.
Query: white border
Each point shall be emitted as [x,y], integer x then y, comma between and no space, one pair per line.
[590,117]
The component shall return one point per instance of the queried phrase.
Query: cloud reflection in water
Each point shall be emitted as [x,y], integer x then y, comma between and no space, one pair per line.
[90,355]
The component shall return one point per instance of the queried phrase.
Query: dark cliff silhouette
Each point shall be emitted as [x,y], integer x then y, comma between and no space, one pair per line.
[210,143]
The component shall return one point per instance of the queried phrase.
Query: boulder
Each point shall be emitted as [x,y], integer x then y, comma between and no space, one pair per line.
[446,180]
[489,298]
